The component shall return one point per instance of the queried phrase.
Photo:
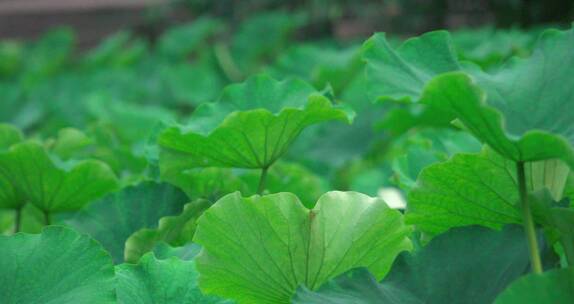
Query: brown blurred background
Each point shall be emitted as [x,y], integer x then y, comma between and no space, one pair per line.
[94,19]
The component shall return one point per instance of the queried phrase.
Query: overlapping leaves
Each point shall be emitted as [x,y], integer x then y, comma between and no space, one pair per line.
[154,281]
[522,111]
[114,218]
[62,266]
[54,186]
[478,189]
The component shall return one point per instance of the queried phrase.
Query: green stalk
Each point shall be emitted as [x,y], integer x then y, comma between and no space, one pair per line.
[47,218]
[17,219]
[528,222]
[226,62]
[262,180]
[568,246]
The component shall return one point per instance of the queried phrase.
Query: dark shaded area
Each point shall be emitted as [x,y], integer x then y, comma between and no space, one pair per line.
[464,265]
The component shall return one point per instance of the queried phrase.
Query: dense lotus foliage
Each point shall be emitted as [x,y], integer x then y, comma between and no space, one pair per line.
[223,165]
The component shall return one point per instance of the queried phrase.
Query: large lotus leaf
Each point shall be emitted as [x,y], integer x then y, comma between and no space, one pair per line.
[555,286]
[464,265]
[156,281]
[112,219]
[401,74]
[260,248]
[468,189]
[10,197]
[477,189]
[57,266]
[524,111]
[174,230]
[251,126]
[52,186]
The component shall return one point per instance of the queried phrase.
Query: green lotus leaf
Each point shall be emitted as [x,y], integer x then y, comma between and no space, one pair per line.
[251,126]
[468,189]
[112,219]
[174,230]
[555,286]
[259,249]
[524,110]
[400,74]
[154,281]
[69,142]
[477,189]
[52,186]
[57,266]
[469,264]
